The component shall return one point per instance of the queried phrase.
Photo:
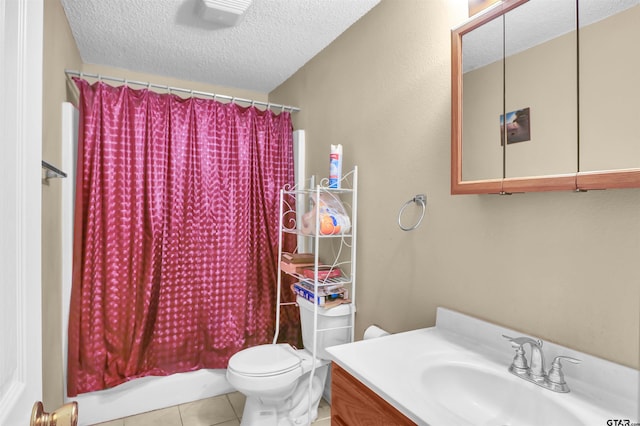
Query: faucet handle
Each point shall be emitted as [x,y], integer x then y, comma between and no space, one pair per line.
[568,358]
[519,364]
[556,376]
[519,341]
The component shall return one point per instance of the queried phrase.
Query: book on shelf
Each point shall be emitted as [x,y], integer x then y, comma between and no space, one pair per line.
[298,257]
[323,290]
[294,268]
[324,272]
[326,300]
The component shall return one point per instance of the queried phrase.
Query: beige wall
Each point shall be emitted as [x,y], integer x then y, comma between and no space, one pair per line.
[561,266]
[60,53]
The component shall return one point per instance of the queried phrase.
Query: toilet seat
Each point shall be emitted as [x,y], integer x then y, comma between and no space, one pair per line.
[265,360]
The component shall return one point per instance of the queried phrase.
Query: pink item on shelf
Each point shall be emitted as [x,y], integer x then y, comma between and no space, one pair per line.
[324,272]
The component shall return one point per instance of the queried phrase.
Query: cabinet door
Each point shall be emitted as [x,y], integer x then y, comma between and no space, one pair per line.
[354,404]
[541,89]
[609,89]
[482,102]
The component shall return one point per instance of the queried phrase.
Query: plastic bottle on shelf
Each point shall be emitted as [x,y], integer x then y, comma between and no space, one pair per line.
[335,166]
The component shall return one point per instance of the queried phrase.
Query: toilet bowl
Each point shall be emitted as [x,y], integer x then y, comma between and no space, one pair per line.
[284,385]
[267,371]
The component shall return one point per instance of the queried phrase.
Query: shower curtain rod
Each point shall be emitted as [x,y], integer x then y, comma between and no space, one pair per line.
[215,96]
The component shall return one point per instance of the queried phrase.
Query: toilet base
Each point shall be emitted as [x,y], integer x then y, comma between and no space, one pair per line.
[257,414]
[294,411]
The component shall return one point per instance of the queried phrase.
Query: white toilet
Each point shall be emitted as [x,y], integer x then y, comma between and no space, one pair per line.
[275,377]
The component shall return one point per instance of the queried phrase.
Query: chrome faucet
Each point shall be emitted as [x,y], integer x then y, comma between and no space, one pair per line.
[536,372]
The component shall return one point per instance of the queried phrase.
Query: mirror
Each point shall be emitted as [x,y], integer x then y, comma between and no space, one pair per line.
[482,101]
[541,85]
[570,107]
[481,179]
[609,89]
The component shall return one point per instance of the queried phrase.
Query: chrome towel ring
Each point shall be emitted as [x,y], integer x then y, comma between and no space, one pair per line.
[420,199]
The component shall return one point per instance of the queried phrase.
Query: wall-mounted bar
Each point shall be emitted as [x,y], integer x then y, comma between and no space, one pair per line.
[52,171]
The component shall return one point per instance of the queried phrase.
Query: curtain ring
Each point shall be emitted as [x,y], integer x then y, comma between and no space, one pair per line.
[420,199]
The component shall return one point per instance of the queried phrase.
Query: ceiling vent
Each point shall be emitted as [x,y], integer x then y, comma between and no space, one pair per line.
[224,12]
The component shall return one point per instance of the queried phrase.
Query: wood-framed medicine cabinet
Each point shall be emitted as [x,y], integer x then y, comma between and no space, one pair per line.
[542,99]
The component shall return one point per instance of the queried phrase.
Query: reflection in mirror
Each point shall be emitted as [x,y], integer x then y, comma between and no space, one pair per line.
[609,87]
[482,102]
[541,81]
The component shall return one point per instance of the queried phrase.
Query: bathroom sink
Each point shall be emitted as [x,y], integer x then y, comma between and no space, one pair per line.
[468,393]
[457,373]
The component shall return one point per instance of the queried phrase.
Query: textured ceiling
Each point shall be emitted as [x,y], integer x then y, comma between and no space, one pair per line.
[273,40]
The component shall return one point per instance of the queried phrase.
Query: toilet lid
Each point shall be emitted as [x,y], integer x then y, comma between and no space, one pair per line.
[265,360]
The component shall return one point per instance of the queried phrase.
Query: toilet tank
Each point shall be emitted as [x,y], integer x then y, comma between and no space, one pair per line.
[339,316]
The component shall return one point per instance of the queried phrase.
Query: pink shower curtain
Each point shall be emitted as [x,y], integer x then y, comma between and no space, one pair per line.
[176,234]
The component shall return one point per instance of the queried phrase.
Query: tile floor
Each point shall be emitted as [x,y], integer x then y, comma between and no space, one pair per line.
[223,410]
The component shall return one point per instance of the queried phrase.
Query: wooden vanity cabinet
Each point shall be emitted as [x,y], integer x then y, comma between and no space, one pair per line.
[354,404]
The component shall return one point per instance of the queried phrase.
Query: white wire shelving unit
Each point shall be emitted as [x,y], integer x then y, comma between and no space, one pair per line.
[339,249]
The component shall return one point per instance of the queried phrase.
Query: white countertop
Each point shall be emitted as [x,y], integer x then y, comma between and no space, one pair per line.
[391,365]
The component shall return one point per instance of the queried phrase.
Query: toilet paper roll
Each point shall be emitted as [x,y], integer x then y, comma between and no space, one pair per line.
[374,331]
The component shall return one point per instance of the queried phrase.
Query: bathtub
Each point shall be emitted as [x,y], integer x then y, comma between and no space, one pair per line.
[136,396]
[149,393]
